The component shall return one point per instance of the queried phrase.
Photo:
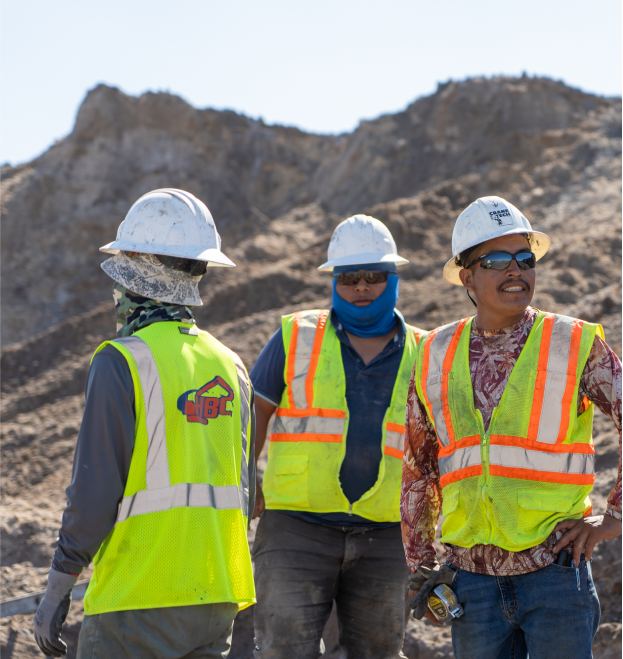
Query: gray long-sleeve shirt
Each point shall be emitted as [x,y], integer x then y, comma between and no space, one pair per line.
[102,462]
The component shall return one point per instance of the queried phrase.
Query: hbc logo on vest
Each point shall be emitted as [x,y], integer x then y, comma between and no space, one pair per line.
[200,408]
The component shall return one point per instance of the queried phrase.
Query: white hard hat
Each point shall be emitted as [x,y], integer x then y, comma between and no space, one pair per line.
[172,223]
[485,219]
[361,239]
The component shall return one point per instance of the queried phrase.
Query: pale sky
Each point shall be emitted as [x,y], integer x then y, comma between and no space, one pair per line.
[321,65]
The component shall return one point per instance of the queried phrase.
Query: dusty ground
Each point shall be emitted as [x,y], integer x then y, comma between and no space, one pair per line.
[552,151]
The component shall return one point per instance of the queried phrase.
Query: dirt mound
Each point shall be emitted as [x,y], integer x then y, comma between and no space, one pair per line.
[551,150]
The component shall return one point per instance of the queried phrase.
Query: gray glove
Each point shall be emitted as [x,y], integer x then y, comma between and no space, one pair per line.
[423,581]
[52,612]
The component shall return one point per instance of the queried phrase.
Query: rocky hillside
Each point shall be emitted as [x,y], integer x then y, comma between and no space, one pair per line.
[276,194]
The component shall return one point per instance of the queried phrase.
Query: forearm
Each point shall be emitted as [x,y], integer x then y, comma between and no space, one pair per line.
[420,501]
[601,384]
[101,464]
[263,413]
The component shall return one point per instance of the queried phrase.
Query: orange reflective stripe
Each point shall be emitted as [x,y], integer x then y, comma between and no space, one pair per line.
[447,366]
[394,452]
[292,360]
[313,411]
[541,377]
[418,333]
[313,363]
[395,427]
[305,437]
[460,474]
[425,362]
[544,476]
[471,440]
[510,440]
[574,353]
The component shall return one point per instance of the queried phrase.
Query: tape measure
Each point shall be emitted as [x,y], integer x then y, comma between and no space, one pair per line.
[443,604]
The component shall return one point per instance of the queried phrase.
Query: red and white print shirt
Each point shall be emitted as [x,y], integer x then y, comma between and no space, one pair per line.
[492,355]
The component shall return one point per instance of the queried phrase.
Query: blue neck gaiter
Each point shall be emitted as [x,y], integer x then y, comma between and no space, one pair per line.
[377,318]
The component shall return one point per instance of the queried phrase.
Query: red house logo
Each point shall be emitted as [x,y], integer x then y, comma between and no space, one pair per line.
[201,405]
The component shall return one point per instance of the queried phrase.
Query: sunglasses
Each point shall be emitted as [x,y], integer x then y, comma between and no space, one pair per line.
[369,276]
[501,260]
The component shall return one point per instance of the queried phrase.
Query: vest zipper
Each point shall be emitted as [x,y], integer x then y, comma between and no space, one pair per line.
[350,510]
[486,444]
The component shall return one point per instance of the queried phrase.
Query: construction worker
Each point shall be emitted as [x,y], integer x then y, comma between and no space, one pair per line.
[329,527]
[160,496]
[499,440]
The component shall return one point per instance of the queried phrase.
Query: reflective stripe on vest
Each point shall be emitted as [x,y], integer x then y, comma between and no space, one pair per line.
[514,457]
[160,494]
[306,340]
[560,347]
[435,388]
[304,423]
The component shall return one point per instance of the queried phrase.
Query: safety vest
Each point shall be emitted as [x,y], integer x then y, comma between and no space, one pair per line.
[180,536]
[534,466]
[308,440]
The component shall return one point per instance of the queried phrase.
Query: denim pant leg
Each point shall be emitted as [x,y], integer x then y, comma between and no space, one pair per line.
[484,631]
[558,620]
[297,567]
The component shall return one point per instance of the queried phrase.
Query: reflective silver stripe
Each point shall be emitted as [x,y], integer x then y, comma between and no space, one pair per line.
[556,382]
[563,463]
[157,475]
[395,440]
[461,458]
[310,424]
[438,349]
[245,412]
[160,495]
[304,345]
[194,495]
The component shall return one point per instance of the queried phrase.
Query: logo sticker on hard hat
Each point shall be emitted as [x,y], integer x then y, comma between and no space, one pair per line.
[201,405]
[502,216]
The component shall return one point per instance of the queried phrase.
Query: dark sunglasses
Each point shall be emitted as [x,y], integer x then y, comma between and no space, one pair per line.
[369,276]
[501,260]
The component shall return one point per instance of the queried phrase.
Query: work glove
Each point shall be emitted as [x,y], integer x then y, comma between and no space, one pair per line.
[423,581]
[52,612]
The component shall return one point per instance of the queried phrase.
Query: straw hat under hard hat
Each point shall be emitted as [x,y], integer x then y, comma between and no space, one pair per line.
[361,239]
[485,219]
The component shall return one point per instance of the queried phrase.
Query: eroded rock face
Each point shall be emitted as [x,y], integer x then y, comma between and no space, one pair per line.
[277,194]
[58,209]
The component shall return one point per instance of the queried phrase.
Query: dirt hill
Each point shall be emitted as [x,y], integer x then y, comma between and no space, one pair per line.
[276,194]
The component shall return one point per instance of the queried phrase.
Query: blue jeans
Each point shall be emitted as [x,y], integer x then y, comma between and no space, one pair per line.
[541,613]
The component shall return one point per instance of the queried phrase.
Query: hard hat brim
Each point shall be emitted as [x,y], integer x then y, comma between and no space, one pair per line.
[540,244]
[359,259]
[214,257]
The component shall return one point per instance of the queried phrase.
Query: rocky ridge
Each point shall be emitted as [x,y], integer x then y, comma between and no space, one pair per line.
[551,150]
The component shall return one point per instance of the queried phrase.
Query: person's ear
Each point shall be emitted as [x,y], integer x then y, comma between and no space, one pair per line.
[467,278]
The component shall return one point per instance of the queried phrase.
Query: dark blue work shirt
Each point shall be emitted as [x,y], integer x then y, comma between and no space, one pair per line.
[368,395]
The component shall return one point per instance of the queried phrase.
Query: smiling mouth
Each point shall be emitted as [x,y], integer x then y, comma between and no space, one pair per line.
[513,289]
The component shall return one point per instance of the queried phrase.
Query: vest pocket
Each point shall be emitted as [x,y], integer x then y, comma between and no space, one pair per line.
[289,465]
[543,501]
[291,475]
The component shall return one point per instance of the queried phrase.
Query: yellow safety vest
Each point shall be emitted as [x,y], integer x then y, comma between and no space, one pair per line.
[181,531]
[308,440]
[534,466]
